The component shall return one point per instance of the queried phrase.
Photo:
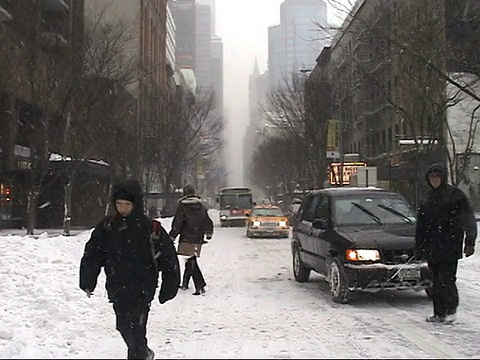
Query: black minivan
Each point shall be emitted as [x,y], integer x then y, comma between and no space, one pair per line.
[360,239]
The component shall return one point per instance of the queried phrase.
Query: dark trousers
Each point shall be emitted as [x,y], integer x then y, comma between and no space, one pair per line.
[444,288]
[132,325]
[193,270]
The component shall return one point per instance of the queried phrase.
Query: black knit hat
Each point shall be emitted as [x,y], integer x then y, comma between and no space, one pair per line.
[188,190]
[122,194]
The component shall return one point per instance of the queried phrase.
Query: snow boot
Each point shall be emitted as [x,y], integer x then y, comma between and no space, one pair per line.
[450,318]
[151,355]
[435,318]
[200,292]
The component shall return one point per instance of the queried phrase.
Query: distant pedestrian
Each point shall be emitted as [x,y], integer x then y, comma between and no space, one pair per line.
[192,223]
[445,218]
[163,211]
[132,249]
[152,212]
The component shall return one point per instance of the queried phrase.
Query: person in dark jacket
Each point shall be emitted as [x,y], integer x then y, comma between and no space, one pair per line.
[192,223]
[132,249]
[445,218]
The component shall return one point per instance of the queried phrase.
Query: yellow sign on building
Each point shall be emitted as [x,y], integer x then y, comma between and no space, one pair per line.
[200,168]
[332,135]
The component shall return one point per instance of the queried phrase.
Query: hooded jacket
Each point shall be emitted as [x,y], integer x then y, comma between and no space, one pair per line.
[191,221]
[445,218]
[130,255]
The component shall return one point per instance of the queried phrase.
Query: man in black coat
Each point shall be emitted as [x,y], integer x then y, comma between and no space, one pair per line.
[445,218]
[132,250]
[192,222]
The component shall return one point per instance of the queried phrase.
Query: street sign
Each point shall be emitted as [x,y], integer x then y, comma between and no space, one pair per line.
[348,169]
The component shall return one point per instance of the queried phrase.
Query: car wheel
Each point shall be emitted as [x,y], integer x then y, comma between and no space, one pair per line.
[338,283]
[300,271]
[429,292]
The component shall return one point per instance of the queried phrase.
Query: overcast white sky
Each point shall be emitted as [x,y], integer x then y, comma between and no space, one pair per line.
[243,27]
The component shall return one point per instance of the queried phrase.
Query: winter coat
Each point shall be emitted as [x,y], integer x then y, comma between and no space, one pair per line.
[131,256]
[191,221]
[444,219]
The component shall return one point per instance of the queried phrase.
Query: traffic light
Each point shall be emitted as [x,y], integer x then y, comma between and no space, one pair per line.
[5,194]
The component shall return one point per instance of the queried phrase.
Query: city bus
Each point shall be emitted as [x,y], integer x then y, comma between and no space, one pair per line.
[234,203]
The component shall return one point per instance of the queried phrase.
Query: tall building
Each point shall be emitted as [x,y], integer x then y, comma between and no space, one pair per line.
[217,72]
[200,51]
[149,40]
[196,40]
[257,92]
[295,43]
[170,43]
[203,43]
[184,16]
[147,21]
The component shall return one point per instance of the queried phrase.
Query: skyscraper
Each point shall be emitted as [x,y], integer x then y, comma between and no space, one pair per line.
[203,43]
[184,16]
[217,71]
[295,43]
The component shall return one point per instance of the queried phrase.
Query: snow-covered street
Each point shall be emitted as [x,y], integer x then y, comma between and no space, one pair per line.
[252,309]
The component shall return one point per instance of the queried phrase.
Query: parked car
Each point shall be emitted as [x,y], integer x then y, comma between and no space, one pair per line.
[267,220]
[360,239]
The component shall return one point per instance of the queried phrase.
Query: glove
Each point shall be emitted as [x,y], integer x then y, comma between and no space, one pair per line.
[419,255]
[469,250]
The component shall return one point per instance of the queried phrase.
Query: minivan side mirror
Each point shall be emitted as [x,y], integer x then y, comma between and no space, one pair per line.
[320,224]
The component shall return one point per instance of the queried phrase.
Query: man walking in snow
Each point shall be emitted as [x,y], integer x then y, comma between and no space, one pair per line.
[444,219]
[192,222]
[132,250]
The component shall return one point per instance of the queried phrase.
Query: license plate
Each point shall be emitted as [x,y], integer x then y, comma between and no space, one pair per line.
[409,274]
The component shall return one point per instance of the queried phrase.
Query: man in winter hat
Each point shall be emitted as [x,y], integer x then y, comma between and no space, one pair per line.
[445,218]
[132,250]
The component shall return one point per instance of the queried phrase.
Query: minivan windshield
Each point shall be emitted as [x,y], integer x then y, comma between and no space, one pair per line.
[370,209]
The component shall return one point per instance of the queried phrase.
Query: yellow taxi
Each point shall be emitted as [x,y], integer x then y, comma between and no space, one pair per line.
[267,220]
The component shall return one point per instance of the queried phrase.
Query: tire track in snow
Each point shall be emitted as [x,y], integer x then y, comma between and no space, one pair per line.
[327,322]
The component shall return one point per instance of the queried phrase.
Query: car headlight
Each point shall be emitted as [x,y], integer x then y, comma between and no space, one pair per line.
[256,223]
[363,255]
[223,217]
[282,223]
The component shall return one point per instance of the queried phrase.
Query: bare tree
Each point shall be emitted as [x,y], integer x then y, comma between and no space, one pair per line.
[185,128]
[99,99]
[60,94]
[287,115]
[274,166]
[39,70]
